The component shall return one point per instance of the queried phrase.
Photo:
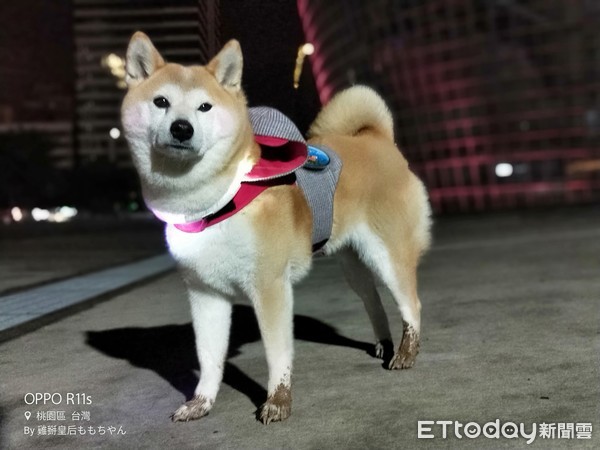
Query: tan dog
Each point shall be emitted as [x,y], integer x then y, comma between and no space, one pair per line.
[192,143]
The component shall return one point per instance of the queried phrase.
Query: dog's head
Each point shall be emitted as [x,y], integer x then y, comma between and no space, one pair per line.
[186,125]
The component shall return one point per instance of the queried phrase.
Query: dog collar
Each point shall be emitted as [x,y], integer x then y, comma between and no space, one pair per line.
[247,192]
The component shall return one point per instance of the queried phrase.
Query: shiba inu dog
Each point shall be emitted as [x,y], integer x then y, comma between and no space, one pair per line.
[192,144]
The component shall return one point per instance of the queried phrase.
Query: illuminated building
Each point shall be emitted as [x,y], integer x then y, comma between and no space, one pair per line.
[496,103]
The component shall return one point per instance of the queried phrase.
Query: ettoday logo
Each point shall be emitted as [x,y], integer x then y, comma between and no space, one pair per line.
[429,429]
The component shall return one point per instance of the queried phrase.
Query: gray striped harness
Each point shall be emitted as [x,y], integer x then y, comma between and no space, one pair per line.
[318,185]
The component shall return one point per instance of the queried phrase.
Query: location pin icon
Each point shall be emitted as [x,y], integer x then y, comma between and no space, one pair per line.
[27,415]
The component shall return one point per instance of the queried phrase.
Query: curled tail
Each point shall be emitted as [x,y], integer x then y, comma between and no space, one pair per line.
[353,110]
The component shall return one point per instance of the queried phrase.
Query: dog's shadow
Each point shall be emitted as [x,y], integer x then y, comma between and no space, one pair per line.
[170,350]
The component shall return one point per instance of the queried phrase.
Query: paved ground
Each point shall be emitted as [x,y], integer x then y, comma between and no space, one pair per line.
[510,329]
[37,253]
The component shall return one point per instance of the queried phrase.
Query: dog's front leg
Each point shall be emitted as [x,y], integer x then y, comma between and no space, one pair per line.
[273,303]
[211,316]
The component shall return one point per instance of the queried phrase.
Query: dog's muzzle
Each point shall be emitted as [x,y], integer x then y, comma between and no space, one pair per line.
[179,146]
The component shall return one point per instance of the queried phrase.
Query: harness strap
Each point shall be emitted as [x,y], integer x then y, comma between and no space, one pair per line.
[319,187]
[246,193]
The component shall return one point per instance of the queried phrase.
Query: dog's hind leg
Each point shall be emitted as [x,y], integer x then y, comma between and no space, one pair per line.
[211,315]
[397,268]
[361,280]
[274,312]
[403,287]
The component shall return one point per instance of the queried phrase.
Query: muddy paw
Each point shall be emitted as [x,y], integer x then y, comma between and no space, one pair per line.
[192,410]
[270,412]
[402,361]
[278,406]
[408,350]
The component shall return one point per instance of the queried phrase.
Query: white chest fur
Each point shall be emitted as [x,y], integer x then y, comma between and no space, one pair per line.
[222,256]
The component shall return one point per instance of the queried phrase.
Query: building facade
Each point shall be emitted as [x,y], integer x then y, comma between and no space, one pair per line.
[496,103]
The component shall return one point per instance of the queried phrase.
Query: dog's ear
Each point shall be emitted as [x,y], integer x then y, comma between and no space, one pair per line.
[227,65]
[142,59]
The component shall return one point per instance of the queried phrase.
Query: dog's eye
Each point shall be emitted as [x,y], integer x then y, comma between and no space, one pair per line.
[204,107]
[161,102]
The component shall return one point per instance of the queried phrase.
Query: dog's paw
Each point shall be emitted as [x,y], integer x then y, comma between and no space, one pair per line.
[402,361]
[271,412]
[192,410]
[408,350]
[278,406]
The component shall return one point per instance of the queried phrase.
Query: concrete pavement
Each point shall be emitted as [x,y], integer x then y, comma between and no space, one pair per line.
[37,253]
[510,332]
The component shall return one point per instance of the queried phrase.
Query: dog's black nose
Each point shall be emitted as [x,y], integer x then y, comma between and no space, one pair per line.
[182,130]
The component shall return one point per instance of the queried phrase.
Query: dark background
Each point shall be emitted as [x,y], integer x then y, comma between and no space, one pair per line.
[472,85]
[39,79]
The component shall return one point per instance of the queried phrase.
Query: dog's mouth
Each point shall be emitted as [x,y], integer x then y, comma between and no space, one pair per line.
[181,147]
[179,151]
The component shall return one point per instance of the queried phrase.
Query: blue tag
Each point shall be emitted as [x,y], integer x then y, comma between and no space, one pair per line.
[317,159]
